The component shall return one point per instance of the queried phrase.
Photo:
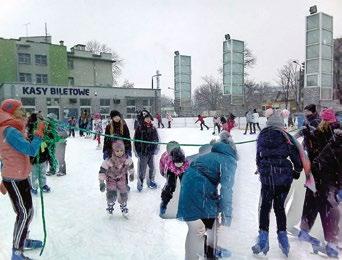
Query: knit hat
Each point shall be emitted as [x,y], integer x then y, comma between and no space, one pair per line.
[328,115]
[275,119]
[311,108]
[115,113]
[171,145]
[177,155]
[10,105]
[118,145]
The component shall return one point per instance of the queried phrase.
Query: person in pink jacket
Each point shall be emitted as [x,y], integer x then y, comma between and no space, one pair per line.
[113,174]
[229,124]
[165,157]
[15,151]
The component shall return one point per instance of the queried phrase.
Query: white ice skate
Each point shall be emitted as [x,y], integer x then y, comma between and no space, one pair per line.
[124,210]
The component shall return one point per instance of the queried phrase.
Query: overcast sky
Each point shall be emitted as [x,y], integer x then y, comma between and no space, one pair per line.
[145,33]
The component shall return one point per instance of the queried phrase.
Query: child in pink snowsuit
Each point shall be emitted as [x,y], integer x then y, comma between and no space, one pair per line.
[113,174]
[165,157]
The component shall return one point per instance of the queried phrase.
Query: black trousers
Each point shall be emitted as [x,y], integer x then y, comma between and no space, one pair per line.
[160,123]
[218,127]
[250,128]
[20,195]
[72,132]
[254,128]
[169,187]
[169,124]
[275,195]
[203,124]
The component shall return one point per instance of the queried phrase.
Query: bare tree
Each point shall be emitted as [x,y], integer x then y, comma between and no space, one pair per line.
[166,101]
[208,96]
[288,81]
[255,93]
[127,84]
[96,47]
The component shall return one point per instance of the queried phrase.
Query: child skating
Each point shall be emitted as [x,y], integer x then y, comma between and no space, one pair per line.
[112,177]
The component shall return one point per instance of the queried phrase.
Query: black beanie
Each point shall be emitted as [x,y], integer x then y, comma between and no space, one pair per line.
[115,113]
[311,108]
[177,155]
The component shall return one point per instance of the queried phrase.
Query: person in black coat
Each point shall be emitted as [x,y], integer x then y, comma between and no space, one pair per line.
[326,169]
[146,151]
[276,171]
[116,127]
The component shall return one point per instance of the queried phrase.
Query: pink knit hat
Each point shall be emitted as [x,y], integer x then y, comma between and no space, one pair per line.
[328,115]
[10,105]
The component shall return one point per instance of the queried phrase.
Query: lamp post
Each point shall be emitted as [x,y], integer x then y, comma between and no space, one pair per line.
[157,75]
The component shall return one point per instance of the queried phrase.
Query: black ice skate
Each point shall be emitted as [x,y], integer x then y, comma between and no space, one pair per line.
[110,208]
[124,210]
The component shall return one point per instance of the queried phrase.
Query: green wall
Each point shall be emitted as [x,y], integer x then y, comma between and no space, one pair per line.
[58,65]
[8,61]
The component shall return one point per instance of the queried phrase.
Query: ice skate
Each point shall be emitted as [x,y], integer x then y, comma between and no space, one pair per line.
[110,208]
[262,243]
[32,244]
[124,210]
[284,243]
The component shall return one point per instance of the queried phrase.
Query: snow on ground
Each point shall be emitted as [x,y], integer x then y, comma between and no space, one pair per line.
[78,226]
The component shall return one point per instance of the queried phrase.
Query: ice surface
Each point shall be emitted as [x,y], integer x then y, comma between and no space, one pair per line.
[79,227]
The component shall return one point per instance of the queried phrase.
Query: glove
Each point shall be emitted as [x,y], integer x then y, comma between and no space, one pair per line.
[226,221]
[3,189]
[339,196]
[131,177]
[40,129]
[295,174]
[102,186]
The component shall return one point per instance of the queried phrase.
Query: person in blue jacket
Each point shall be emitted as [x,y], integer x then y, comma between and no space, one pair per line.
[276,173]
[200,200]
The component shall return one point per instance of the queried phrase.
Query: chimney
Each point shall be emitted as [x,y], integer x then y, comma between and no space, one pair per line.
[61,43]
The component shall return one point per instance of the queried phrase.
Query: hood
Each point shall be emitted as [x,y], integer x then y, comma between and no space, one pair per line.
[7,119]
[225,148]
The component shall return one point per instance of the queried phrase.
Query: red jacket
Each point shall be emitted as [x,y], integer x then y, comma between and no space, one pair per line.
[201,119]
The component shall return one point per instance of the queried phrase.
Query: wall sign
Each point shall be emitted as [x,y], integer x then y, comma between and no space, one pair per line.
[55,91]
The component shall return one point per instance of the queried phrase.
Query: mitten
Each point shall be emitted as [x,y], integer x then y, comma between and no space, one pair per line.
[102,186]
[295,174]
[40,129]
[339,196]
[3,189]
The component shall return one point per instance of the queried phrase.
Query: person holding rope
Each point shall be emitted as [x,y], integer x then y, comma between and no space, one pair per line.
[15,151]
[201,203]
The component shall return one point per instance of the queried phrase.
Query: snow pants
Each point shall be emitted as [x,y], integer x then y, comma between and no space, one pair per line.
[203,124]
[160,123]
[38,169]
[115,186]
[197,243]
[20,195]
[169,124]
[143,162]
[275,195]
[248,124]
[325,204]
[169,188]
[218,127]
[60,156]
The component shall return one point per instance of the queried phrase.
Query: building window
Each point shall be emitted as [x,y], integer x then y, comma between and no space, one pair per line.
[72,101]
[104,102]
[25,77]
[70,63]
[41,78]
[130,102]
[52,101]
[26,101]
[41,60]
[116,101]
[53,110]
[71,81]
[85,102]
[104,110]
[24,58]
[146,102]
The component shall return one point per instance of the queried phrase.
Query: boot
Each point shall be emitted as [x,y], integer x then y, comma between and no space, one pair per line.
[305,236]
[262,243]
[332,250]
[283,242]
[110,207]
[162,209]
[46,188]
[33,244]
[124,209]
[18,255]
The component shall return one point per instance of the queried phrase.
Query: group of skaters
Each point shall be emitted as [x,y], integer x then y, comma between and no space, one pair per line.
[160,120]
[221,123]
[206,178]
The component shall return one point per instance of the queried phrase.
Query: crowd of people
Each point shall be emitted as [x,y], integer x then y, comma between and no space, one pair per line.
[206,179]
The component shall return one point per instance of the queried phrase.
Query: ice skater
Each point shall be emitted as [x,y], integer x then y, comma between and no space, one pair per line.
[202,122]
[112,176]
[98,129]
